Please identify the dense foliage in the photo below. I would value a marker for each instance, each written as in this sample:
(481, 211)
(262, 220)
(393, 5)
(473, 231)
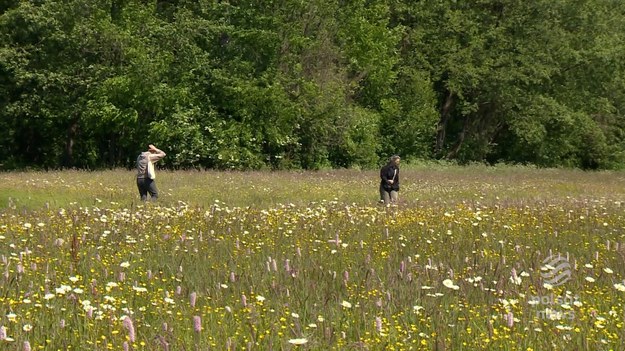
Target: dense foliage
(320, 83)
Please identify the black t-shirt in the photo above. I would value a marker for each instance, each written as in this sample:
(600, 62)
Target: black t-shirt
(390, 172)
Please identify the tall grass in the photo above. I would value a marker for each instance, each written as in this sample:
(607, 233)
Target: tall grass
(430, 183)
(310, 260)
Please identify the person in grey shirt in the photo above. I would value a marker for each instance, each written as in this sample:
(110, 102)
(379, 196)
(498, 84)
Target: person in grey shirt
(146, 172)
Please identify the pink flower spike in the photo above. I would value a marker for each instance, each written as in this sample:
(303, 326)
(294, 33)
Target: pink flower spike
(510, 319)
(192, 299)
(197, 324)
(130, 327)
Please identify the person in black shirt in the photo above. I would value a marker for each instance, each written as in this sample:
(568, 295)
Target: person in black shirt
(389, 181)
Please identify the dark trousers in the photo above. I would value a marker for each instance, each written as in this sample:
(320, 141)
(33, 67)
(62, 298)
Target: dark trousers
(388, 196)
(147, 185)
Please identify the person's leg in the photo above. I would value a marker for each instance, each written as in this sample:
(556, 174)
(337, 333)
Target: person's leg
(152, 189)
(143, 190)
(384, 195)
(394, 196)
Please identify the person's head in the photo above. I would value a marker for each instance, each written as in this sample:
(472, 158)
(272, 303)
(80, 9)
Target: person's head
(394, 160)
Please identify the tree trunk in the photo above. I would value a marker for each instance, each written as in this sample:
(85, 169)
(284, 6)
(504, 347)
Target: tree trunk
(442, 123)
(465, 129)
(72, 131)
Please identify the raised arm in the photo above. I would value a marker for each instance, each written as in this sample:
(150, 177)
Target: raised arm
(155, 153)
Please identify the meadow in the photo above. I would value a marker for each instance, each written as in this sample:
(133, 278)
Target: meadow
(472, 258)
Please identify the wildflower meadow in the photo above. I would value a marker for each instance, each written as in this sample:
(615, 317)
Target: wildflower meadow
(471, 258)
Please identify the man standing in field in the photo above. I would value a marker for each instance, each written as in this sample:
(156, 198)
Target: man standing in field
(389, 183)
(146, 172)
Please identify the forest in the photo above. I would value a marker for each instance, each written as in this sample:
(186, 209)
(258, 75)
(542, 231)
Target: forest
(291, 84)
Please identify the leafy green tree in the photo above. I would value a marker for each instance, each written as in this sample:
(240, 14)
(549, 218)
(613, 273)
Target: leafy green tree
(316, 84)
(510, 75)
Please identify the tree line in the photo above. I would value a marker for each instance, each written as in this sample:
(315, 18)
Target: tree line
(286, 84)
